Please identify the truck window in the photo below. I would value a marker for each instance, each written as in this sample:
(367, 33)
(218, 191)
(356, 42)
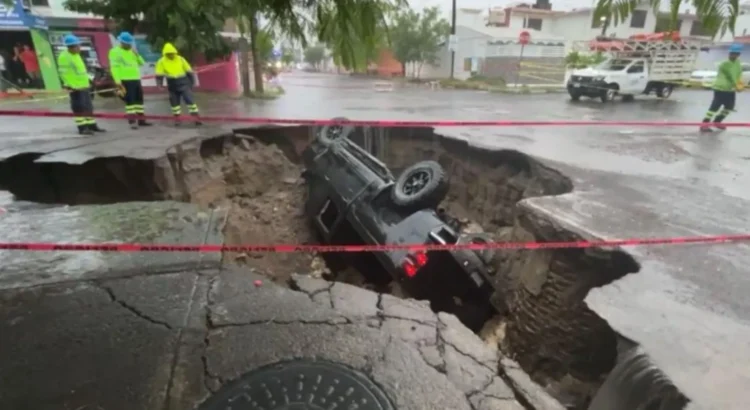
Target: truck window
(636, 68)
(614, 65)
(328, 215)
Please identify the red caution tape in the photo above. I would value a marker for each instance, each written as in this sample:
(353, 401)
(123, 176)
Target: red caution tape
(135, 247)
(374, 123)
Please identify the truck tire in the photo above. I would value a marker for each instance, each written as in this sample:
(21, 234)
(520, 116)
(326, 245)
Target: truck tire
(610, 93)
(422, 185)
(574, 96)
(330, 133)
(664, 91)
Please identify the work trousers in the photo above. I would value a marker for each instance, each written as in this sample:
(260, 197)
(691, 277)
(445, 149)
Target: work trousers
(716, 113)
(83, 108)
(133, 100)
(179, 94)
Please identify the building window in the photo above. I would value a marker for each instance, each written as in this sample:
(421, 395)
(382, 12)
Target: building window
(697, 29)
(40, 3)
(467, 64)
(535, 24)
(662, 25)
(638, 19)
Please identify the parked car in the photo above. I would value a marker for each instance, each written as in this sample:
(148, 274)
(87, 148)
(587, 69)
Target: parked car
(353, 199)
(705, 78)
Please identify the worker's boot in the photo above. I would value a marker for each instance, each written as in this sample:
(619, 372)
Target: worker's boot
(142, 121)
(717, 122)
(96, 128)
(197, 118)
(177, 121)
(84, 130)
(132, 121)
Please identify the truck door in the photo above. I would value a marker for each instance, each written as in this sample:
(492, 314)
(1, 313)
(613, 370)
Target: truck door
(637, 78)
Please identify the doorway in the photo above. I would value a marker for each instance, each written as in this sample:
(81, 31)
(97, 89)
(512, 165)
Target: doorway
(22, 69)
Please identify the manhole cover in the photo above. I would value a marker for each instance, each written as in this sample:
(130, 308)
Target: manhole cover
(300, 385)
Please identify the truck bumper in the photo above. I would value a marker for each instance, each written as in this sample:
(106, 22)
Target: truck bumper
(587, 89)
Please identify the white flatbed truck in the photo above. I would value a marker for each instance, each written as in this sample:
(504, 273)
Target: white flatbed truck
(635, 67)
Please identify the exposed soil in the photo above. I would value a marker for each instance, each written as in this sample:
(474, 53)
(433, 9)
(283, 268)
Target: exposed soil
(263, 191)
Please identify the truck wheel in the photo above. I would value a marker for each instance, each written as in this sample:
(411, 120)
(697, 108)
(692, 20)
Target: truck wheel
(331, 133)
(628, 98)
(664, 91)
(422, 185)
(574, 96)
(610, 93)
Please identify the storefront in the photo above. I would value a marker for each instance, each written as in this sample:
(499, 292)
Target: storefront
(93, 33)
(25, 46)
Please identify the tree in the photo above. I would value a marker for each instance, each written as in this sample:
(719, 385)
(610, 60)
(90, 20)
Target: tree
(287, 57)
(314, 55)
(194, 25)
(351, 51)
(417, 37)
(265, 40)
(716, 16)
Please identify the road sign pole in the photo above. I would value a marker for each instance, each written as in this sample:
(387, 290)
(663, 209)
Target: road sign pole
(523, 38)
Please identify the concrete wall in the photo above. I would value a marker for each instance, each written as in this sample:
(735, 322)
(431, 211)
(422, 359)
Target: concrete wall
(534, 70)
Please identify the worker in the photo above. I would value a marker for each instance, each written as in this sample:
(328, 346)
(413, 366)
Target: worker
(126, 63)
(75, 79)
(180, 80)
(728, 82)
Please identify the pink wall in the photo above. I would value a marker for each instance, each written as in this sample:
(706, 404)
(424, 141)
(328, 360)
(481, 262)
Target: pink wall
(220, 79)
(102, 44)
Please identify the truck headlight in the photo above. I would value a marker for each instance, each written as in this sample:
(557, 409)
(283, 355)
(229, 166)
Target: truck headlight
(599, 78)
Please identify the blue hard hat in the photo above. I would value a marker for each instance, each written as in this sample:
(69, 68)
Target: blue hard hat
(71, 40)
(735, 48)
(126, 38)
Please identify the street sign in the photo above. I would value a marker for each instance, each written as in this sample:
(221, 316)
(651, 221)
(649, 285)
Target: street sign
(524, 37)
(452, 42)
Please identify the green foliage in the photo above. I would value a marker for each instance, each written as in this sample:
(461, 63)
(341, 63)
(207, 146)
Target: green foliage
(192, 25)
(575, 59)
(416, 37)
(264, 41)
(7, 3)
(287, 57)
(314, 55)
(716, 16)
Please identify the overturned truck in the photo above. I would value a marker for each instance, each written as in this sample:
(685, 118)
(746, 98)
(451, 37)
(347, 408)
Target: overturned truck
(353, 198)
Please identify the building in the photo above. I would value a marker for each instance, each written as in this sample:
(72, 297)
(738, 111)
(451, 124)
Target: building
(93, 31)
(488, 43)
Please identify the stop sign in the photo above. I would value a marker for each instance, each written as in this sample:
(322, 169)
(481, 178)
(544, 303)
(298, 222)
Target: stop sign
(524, 37)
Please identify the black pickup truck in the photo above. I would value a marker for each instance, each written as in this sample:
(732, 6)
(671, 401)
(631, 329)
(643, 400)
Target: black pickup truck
(353, 199)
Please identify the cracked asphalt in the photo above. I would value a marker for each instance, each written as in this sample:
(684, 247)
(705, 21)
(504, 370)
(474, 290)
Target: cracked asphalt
(159, 339)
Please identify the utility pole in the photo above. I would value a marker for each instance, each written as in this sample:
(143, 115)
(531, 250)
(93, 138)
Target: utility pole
(453, 34)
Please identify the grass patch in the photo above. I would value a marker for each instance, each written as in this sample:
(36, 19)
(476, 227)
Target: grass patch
(475, 82)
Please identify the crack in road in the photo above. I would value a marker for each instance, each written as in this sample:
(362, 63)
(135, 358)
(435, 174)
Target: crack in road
(132, 309)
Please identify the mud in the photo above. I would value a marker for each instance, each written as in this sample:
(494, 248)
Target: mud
(542, 321)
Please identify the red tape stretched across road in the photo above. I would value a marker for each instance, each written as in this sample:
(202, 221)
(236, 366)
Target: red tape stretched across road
(283, 248)
(376, 123)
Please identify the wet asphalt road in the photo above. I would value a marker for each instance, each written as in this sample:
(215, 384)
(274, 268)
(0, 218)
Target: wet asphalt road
(688, 306)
